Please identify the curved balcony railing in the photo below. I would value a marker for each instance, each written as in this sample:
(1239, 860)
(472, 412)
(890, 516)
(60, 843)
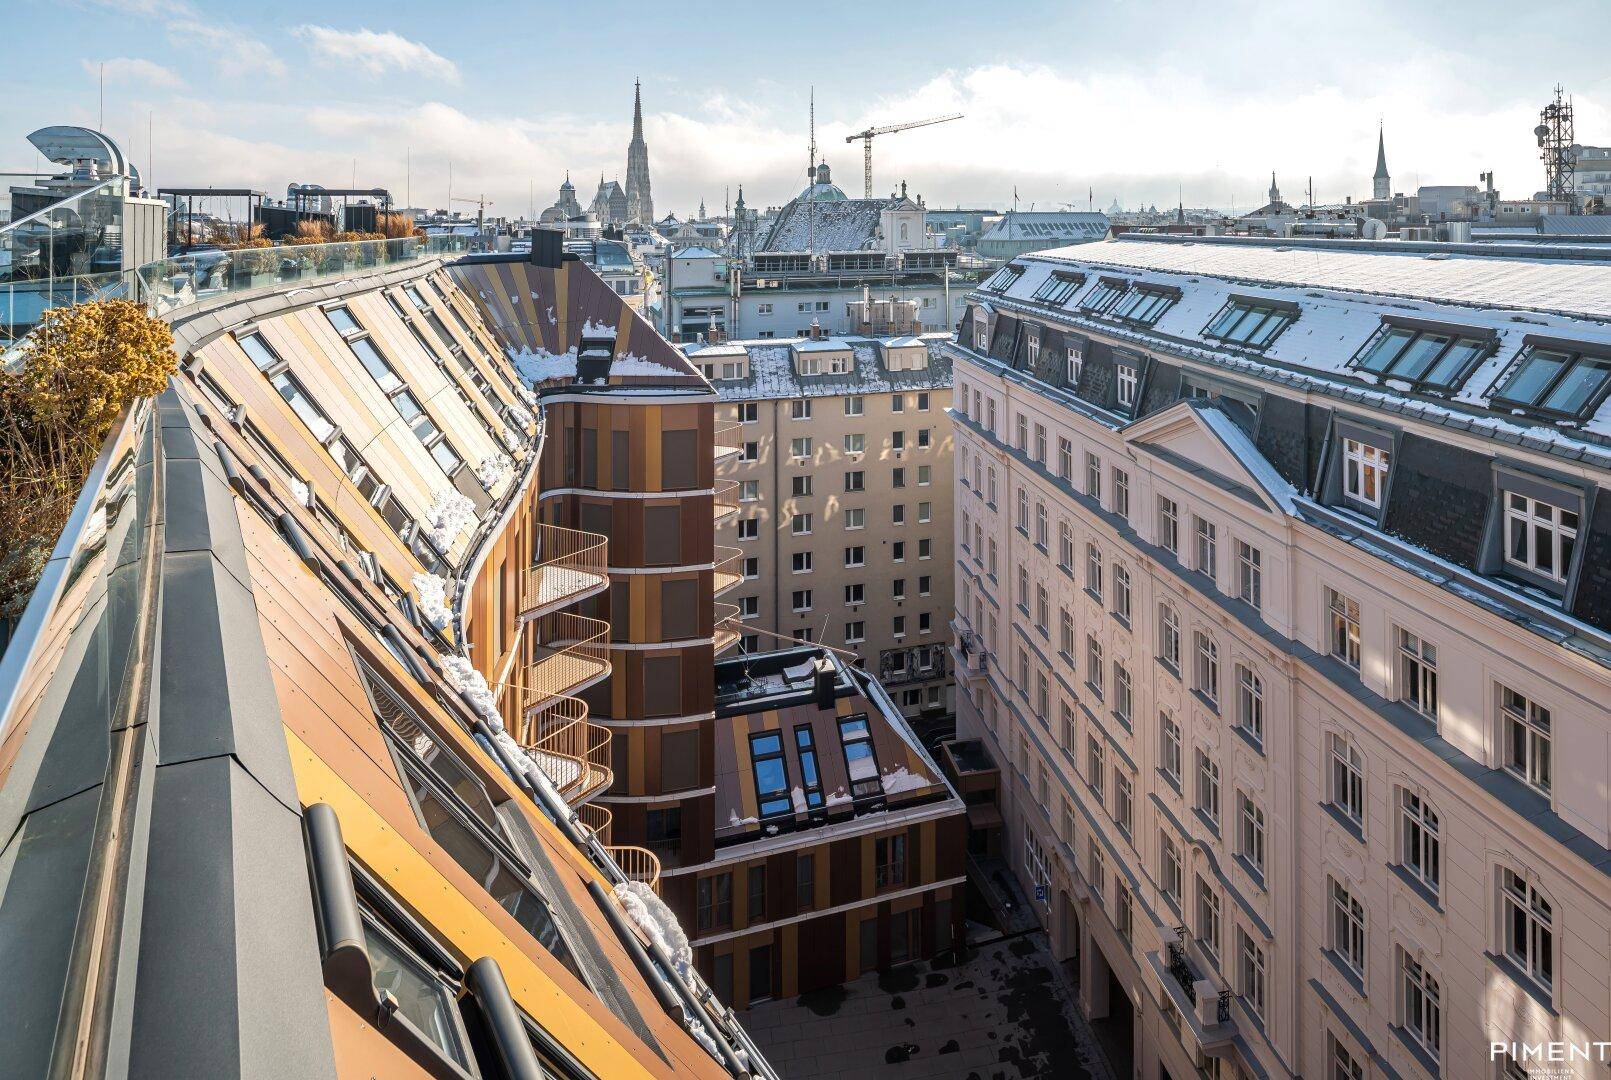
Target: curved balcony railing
(729, 569)
(572, 652)
(573, 754)
(726, 634)
(726, 501)
(639, 864)
(728, 441)
(571, 564)
(596, 819)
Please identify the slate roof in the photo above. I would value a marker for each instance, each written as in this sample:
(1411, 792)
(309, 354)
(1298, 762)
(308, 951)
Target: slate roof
(842, 225)
(772, 374)
(1026, 225)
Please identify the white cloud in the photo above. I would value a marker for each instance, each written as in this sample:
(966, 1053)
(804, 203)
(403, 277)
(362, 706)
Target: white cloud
(376, 53)
(235, 54)
(133, 69)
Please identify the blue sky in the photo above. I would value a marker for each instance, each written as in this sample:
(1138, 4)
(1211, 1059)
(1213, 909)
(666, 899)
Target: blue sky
(1133, 100)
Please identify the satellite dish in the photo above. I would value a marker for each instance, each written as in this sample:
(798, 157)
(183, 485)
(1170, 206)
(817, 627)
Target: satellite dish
(1541, 131)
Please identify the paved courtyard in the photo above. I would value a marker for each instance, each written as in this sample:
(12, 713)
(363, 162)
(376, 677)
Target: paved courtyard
(1003, 1011)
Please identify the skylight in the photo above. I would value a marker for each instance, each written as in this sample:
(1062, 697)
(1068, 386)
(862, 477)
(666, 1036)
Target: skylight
(1002, 279)
(1436, 357)
(1057, 288)
(1557, 379)
(1144, 303)
(1250, 322)
(1103, 294)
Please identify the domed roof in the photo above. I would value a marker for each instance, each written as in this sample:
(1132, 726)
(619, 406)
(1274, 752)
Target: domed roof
(823, 189)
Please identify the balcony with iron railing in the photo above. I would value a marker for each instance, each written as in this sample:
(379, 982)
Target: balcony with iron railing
(571, 565)
(726, 500)
(729, 569)
(573, 753)
(728, 438)
(726, 633)
(572, 652)
(1202, 1002)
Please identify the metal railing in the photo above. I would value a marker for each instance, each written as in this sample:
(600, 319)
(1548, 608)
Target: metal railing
(726, 498)
(573, 753)
(596, 819)
(571, 562)
(726, 631)
(727, 440)
(729, 571)
(1180, 968)
(571, 652)
(637, 863)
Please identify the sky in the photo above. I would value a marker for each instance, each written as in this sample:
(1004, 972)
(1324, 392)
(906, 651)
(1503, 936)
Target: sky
(1063, 103)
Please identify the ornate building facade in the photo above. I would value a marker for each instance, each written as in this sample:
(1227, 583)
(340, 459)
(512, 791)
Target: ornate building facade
(640, 203)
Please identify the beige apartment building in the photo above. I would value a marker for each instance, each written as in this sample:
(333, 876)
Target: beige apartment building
(843, 484)
(1284, 606)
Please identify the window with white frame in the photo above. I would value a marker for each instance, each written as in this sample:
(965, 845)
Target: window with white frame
(983, 340)
(1168, 525)
(1418, 673)
(1040, 443)
(1344, 1065)
(1529, 928)
(1169, 747)
(1022, 432)
(855, 632)
(1075, 362)
(1348, 928)
(1098, 868)
(1124, 800)
(1207, 667)
(1123, 694)
(1032, 345)
(1129, 377)
(1065, 546)
(1208, 919)
(1421, 1000)
(800, 409)
(1249, 574)
(1023, 510)
(1250, 703)
(1207, 535)
(1343, 616)
(1420, 840)
(854, 405)
(1250, 834)
(1093, 570)
(1095, 763)
(800, 524)
(1123, 917)
(1526, 734)
(1254, 977)
(1065, 633)
(800, 447)
(801, 562)
(1040, 525)
(1121, 493)
(1169, 867)
(1539, 537)
(1364, 472)
(1093, 476)
(1347, 778)
(1121, 592)
(1169, 636)
(1208, 787)
(1065, 458)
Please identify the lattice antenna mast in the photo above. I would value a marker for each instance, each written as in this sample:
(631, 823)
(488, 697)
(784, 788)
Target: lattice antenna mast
(811, 182)
(1555, 138)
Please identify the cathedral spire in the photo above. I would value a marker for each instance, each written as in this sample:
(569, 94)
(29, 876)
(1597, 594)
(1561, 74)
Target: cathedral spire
(1381, 183)
(1275, 192)
(637, 109)
(640, 203)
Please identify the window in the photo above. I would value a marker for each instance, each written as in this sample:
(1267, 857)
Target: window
(1095, 763)
(810, 778)
(1348, 928)
(1437, 359)
(1041, 608)
(1168, 525)
(922, 402)
(1093, 665)
(1121, 493)
(1123, 696)
(423, 1000)
(1539, 537)
(750, 490)
(1344, 639)
(897, 402)
(714, 910)
(898, 514)
(1065, 546)
(925, 583)
(1253, 975)
(855, 443)
(1347, 779)
(749, 528)
(1525, 730)
(755, 908)
(747, 412)
(1208, 919)
(800, 409)
(898, 626)
(749, 607)
(889, 861)
(861, 761)
(1169, 636)
(1420, 844)
(1124, 798)
(1065, 458)
(1250, 837)
(897, 477)
(856, 556)
(800, 447)
(771, 775)
(1364, 472)
(1418, 674)
(1129, 376)
(1529, 922)
(1121, 592)
(802, 600)
(1144, 304)
(750, 452)
(1249, 574)
(925, 475)
(1032, 347)
(1169, 868)
(855, 632)
(1075, 360)
(1023, 432)
(1093, 570)
(1207, 668)
(800, 524)
(1103, 294)
(1423, 1008)
(1023, 510)
(1065, 633)
(805, 881)
(855, 594)
(800, 486)
(853, 405)
(1057, 288)
(1557, 380)
(1040, 443)
(1169, 747)
(983, 340)
(1208, 788)
(1093, 476)
(1003, 279)
(1250, 703)
(855, 518)
(1344, 1066)
(1040, 524)
(1207, 548)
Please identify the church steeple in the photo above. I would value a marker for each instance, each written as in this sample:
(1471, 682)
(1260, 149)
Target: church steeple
(637, 109)
(1275, 192)
(1382, 183)
(640, 203)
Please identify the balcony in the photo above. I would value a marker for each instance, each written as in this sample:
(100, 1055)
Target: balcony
(729, 569)
(729, 442)
(596, 819)
(726, 500)
(572, 652)
(1202, 1002)
(571, 566)
(571, 752)
(727, 634)
(638, 864)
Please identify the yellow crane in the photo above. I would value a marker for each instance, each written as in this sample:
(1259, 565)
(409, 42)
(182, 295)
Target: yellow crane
(866, 138)
(480, 202)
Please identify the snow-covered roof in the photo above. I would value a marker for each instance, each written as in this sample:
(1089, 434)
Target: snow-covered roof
(772, 374)
(842, 225)
(695, 252)
(1033, 225)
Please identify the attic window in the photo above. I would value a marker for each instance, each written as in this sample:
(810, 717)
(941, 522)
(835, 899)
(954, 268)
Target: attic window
(861, 760)
(1002, 279)
(1056, 290)
(1557, 379)
(1145, 303)
(1251, 322)
(1432, 356)
(1100, 298)
(771, 774)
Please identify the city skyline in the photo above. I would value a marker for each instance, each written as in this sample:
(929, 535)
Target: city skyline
(393, 98)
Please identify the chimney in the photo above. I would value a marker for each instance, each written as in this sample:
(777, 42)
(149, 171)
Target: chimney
(547, 248)
(824, 680)
(816, 330)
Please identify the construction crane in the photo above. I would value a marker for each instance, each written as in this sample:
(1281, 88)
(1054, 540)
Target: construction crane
(481, 202)
(866, 138)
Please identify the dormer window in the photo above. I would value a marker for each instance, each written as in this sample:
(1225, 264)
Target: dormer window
(1559, 379)
(1144, 303)
(1250, 321)
(1003, 279)
(1428, 355)
(1103, 294)
(1361, 463)
(1057, 288)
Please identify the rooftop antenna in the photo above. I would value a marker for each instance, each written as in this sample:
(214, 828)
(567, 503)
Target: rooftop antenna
(408, 175)
(1554, 134)
(811, 181)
